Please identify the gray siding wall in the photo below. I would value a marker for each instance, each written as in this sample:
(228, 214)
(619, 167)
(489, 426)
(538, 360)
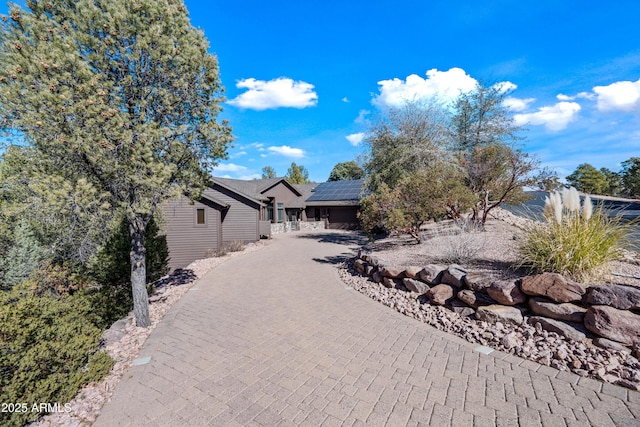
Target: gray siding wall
(240, 221)
(187, 240)
(282, 193)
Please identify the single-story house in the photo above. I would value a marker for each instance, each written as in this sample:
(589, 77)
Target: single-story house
(238, 210)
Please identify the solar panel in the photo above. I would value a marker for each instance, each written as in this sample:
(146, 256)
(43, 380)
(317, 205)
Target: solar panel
(338, 190)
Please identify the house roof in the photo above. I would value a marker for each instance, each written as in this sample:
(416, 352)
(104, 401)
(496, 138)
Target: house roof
(225, 183)
(222, 204)
(338, 191)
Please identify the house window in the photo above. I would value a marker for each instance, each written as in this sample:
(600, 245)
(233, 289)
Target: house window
(270, 213)
(280, 212)
(200, 218)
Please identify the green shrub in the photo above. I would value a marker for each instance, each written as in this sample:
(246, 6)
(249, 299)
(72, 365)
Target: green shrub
(48, 350)
(574, 241)
(111, 268)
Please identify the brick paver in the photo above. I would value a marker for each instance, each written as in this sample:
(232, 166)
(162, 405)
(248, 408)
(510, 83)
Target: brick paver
(275, 338)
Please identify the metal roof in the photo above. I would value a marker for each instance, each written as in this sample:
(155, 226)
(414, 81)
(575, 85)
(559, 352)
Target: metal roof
(338, 191)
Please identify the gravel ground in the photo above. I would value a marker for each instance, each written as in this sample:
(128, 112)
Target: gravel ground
(492, 251)
(125, 339)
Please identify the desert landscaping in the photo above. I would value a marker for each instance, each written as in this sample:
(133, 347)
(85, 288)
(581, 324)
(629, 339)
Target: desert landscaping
(591, 330)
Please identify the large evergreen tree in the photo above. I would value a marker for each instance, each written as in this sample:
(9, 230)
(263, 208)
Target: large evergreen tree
(297, 174)
(120, 94)
(631, 177)
(588, 179)
(346, 171)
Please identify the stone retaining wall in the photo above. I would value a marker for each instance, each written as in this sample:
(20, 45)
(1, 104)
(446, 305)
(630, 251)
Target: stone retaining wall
(287, 226)
(606, 314)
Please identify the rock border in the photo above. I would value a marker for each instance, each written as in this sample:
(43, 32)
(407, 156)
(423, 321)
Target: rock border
(545, 318)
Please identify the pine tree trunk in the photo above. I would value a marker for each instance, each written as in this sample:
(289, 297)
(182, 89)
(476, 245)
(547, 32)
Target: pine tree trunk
(139, 273)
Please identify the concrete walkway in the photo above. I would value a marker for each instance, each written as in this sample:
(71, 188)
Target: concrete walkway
(274, 338)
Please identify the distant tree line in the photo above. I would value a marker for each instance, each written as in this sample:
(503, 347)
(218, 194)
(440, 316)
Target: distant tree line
(625, 183)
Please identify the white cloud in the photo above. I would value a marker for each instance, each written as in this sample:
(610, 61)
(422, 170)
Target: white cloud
(517, 104)
(229, 167)
(362, 117)
(280, 92)
(356, 139)
(238, 154)
(505, 87)
(554, 118)
(584, 95)
(345, 99)
(287, 151)
(624, 96)
(444, 86)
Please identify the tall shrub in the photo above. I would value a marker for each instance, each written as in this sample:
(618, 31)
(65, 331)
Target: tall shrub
(48, 350)
(574, 240)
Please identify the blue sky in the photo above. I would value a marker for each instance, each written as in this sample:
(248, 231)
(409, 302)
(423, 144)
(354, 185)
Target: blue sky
(302, 78)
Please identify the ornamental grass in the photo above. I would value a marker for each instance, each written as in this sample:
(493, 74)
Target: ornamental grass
(575, 240)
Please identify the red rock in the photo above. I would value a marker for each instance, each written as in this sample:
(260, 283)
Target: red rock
(453, 276)
(616, 296)
(474, 299)
(617, 325)
(500, 313)
(506, 293)
(415, 285)
(412, 272)
(392, 272)
(431, 274)
(553, 286)
(477, 281)
(562, 311)
(440, 294)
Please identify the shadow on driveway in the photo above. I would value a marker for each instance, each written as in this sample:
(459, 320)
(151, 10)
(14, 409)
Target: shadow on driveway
(352, 241)
(349, 238)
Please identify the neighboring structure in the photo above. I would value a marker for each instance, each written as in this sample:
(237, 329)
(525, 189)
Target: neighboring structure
(237, 210)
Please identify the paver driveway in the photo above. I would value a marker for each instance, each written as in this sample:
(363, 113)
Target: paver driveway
(275, 338)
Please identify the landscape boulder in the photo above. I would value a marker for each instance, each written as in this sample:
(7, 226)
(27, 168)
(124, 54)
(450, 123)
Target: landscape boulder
(377, 277)
(477, 281)
(616, 296)
(563, 311)
(561, 328)
(392, 272)
(461, 308)
(617, 325)
(440, 294)
(453, 276)
(610, 345)
(431, 274)
(412, 272)
(391, 283)
(415, 285)
(474, 299)
(360, 266)
(506, 292)
(553, 286)
(499, 313)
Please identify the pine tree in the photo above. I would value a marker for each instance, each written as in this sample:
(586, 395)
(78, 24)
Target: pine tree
(122, 94)
(297, 174)
(22, 259)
